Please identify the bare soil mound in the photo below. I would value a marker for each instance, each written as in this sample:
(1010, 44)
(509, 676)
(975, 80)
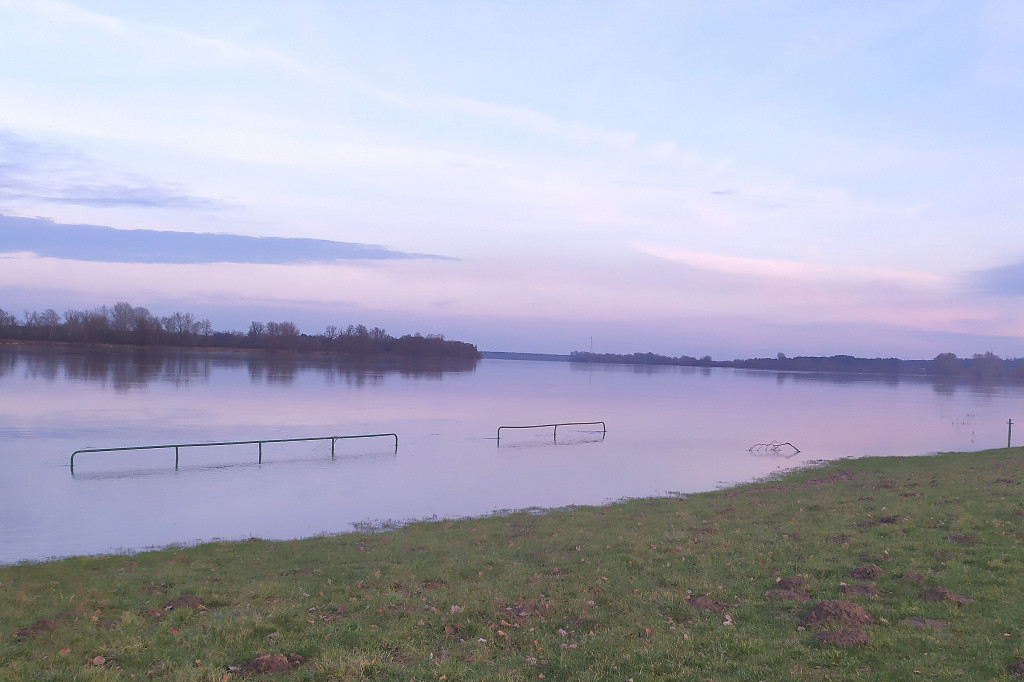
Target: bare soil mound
(867, 572)
(40, 626)
(268, 664)
(706, 603)
(837, 612)
(844, 637)
(944, 594)
(792, 582)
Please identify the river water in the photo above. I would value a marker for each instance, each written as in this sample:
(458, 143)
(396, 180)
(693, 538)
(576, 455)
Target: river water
(670, 430)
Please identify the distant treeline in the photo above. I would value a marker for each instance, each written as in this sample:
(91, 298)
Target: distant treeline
(125, 324)
(985, 366)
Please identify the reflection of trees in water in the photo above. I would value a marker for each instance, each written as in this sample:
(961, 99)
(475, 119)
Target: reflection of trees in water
(126, 368)
(356, 372)
(120, 368)
(272, 369)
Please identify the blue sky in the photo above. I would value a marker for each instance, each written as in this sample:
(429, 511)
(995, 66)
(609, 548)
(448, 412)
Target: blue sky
(729, 178)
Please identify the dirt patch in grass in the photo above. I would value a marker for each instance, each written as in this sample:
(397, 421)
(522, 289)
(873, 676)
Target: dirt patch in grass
(1017, 668)
(185, 601)
(791, 583)
(837, 612)
(705, 603)
(844, 637)
(867, 572)
(913, 577)
(944, 594)
(860, 589)
(268, 664)
(37, 628)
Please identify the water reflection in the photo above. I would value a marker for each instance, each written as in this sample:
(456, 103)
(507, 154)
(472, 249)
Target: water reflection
(128, 368)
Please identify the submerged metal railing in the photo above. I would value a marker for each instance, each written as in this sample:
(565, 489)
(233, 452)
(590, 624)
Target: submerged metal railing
(178, 446)
(604, 429)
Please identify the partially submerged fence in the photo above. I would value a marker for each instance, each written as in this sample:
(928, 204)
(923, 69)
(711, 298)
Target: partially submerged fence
(604, 429)
(177, 446)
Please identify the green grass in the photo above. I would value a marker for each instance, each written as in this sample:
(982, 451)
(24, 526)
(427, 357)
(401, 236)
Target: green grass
(585, 593)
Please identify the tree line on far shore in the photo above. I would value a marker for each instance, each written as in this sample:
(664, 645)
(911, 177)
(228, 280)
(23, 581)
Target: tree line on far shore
(125, 324)
(982, 366)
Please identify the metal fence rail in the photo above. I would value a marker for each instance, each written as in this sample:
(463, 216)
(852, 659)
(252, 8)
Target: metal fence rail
(178, 446)
(604, 429)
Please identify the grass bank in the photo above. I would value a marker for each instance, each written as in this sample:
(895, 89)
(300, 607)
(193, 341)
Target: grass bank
(918, 562)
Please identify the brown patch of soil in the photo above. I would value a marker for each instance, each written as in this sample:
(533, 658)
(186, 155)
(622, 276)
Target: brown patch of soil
(944, 594)
(792, 583)
(860, 589)
(37, 628)
(268, 664)
(185, 601)
(837, 612)
(922, 623)
(154, 589)
(517, 613)
(788, 595)
(963, 539)
(913, 577)
(706, 603)
(107, 624)
(867, 572)
(1017, 668)
(843, 637)
(432, 584)
(840, 539)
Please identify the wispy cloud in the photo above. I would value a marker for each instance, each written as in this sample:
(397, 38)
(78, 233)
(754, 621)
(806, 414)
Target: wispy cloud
(790, 270)
(56, 174)
(108, 245)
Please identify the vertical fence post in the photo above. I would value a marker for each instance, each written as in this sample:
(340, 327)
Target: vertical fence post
(175, 457)
(332, 447)
(261, 452)
(1009, 431)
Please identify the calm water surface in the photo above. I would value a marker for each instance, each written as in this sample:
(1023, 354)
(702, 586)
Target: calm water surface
(670, 430)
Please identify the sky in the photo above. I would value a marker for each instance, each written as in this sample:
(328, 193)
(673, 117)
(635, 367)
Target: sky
(734, 179)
